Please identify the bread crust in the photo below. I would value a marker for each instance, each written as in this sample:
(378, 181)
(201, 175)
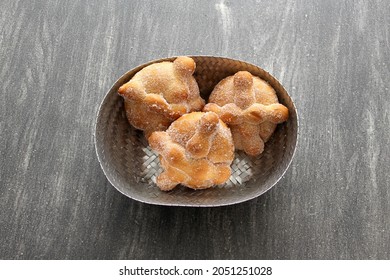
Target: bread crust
(160, 93)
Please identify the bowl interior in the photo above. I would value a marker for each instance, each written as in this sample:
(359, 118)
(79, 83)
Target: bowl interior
(132, 167)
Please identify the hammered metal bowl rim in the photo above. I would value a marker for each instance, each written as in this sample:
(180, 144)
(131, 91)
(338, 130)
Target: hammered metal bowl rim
(171, 58)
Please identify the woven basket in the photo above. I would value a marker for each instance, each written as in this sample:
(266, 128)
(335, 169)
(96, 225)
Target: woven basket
(132, 167)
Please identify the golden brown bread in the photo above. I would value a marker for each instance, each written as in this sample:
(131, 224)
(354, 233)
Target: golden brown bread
(160, 93)
(250, 107)
(196, 151)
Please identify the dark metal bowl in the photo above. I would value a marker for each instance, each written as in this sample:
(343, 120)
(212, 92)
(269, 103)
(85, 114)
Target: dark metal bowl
(132, 167)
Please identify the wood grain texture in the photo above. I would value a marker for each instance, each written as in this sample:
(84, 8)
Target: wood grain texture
(58, 59)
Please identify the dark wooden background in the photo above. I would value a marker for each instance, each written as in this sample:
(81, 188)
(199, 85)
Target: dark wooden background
(59, 58)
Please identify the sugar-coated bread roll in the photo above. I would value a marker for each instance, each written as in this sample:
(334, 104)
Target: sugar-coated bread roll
(160, 93)
(195, 151)
(250, 107)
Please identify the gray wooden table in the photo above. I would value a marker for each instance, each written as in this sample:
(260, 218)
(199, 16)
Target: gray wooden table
(59, 58)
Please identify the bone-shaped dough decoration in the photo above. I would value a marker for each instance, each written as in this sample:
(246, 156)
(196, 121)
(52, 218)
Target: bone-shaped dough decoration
(195, 151)
(249, 106)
